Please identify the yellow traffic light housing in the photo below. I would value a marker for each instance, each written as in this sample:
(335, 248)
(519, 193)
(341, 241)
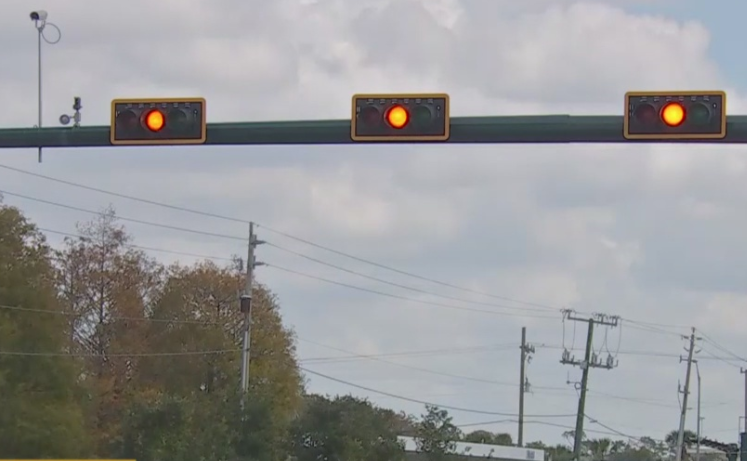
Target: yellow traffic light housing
(400, 117)
(675, 115)
(167, 121)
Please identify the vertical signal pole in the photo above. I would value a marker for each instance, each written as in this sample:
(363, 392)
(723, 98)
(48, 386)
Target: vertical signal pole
(743, 435)
(245, 306)
(744, 372)
(683, 415)
(526, 351)
(40, 23)
(591, 360)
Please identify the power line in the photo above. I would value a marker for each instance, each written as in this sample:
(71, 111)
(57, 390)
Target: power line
(124, 196)
(711, 341)
(404, 298)
(543, 423)
(406, 287)
(278, 232)
(275, 231)
(119, 318)
(123, 218)
(128, 354)
(640, 353)
(631, 437)
(421, 353)
(351, 355)
(140, 247)
(420, 369)
(423, 402)
(354, 287)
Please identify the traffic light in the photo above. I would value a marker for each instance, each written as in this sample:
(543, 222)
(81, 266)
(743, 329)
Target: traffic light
(675, 115)
(158, 121)
(400, 117)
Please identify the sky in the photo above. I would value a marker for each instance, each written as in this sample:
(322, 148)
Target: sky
(483, 240)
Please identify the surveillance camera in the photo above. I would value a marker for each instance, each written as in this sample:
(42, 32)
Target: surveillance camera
(40, 15)
(64, 119)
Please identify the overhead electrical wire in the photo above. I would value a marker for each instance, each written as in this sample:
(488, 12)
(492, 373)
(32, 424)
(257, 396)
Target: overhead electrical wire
(140, 247)
(405, 287)
(542, 423)
(405, 298)
(123, 218)
(640, 353)
(272, 230)
(425, 370)
(423, 402)
(718, 346)
(648, 402)
(111, 355)
(350, 355)
(278, 232)
(644, 326)
(119, 318)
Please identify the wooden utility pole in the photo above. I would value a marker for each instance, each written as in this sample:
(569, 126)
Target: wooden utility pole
(526, 351)
(591, 360)
(245, 305)
(686, 392)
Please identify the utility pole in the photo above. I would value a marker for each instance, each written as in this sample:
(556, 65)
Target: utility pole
(591, 360)
(245, 305)
(743, 435)
(699, 429)
(526, 351)
(683, 415)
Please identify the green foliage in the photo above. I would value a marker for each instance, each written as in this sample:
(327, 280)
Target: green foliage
(166, 427)
(489, 438)
(558, 453)
(39, 394)
(436, 434)
(344, 428)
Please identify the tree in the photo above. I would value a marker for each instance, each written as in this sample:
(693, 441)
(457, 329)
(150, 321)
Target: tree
(632, 453)
(400, 422)
(198, 311)
(671, 440)
(107, 286)
(598, 449)
(39, 394)
(488, 437)
(559, 453)
(436, 434)
(161, 427)
(344, 428)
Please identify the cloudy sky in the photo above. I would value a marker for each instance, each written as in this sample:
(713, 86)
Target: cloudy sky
(498, 237)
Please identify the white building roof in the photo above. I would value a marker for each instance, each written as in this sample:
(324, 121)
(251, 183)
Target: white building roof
(482, 450)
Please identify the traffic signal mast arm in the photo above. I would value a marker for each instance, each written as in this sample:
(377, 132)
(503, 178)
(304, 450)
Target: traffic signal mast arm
(541, 129)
